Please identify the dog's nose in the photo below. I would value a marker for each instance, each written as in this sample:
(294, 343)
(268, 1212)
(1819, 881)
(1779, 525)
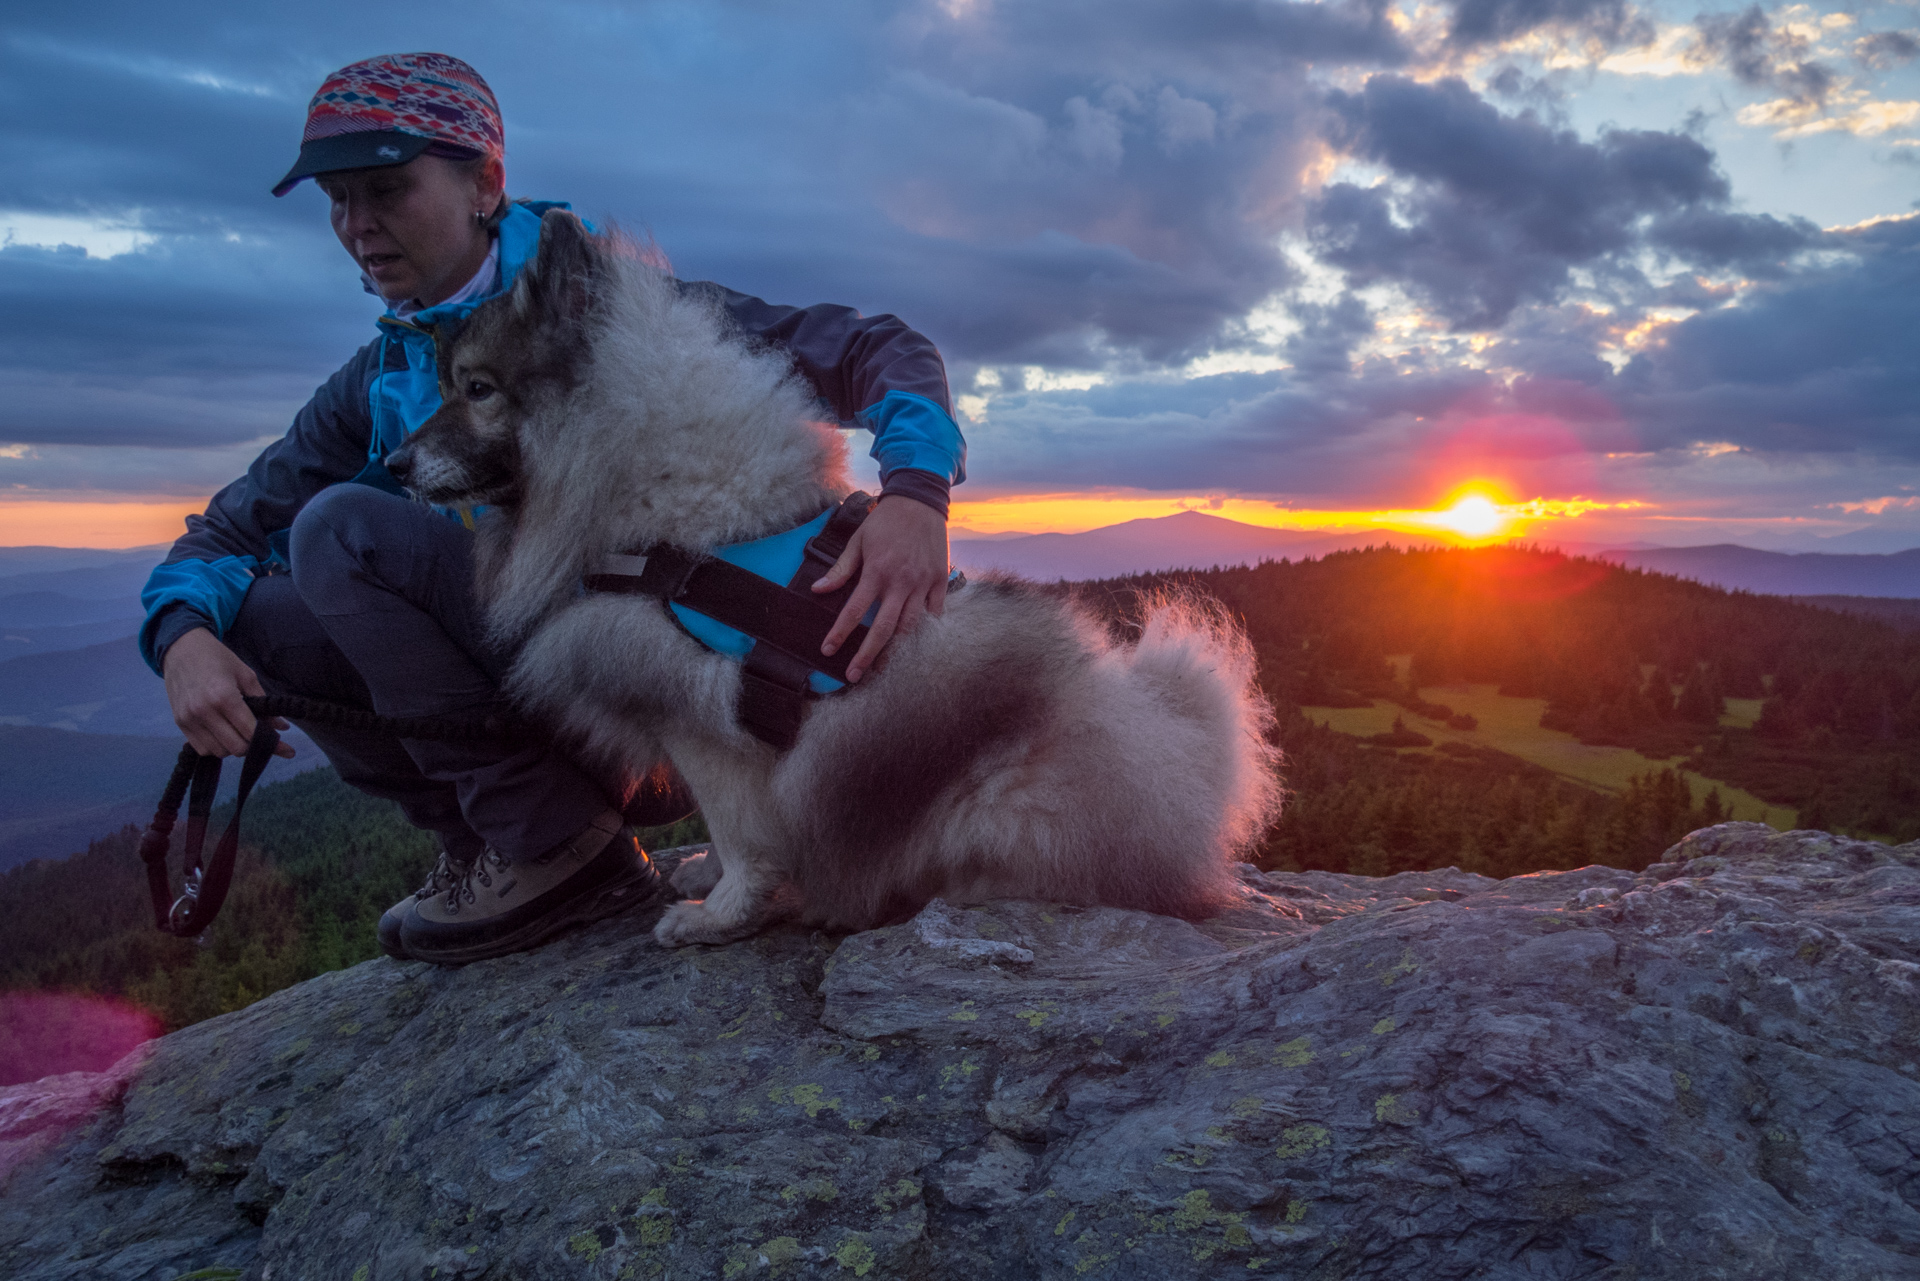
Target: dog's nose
(399, 463)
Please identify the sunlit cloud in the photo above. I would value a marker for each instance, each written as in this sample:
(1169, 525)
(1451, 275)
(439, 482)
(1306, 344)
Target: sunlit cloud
(95, 237)
(1853, 113)
(1881, 506)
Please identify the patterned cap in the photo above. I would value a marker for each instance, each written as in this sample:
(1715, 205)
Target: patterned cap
(387, 110)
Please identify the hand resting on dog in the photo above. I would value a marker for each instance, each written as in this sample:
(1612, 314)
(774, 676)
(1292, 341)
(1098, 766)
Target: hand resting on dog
(900, 555)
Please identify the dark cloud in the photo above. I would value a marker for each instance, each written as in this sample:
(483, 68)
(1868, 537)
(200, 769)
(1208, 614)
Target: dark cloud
(1758, 54)
(1478, 22)
(1497, 210)
(1757, 245)
(1820, 362)
(1063, 183)
(1884, 50)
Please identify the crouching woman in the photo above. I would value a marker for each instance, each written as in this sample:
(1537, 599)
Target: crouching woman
(315, 575)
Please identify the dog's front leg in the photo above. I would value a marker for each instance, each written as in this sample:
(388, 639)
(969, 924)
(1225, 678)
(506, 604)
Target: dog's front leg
(696, 876)
(742, 873)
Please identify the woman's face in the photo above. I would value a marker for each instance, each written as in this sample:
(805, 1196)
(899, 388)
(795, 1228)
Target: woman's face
(411, 227)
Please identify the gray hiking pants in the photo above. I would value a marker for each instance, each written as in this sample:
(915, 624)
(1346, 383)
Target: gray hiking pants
(379, 612)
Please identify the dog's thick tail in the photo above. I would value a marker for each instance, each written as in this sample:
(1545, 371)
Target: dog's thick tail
(1200, 667)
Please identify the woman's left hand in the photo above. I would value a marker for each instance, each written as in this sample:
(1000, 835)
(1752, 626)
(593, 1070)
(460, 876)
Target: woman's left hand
(899, 554)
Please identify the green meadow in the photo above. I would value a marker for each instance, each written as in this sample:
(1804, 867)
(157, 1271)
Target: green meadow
(1512, 725)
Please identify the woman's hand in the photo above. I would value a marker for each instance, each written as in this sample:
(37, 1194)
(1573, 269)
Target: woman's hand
(900, 556)
(207, 685)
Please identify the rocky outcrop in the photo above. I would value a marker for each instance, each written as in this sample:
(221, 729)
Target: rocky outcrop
(1707, 1070)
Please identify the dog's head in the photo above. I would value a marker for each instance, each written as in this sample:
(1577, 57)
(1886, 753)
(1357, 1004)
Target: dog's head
(513, 363)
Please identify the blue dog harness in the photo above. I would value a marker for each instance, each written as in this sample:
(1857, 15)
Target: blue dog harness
(753, 602)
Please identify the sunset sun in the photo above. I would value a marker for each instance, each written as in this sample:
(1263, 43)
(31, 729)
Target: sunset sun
(1474, 516)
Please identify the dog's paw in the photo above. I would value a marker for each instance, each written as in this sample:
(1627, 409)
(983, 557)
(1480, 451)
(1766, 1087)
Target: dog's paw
(687, 923)
(696, 877)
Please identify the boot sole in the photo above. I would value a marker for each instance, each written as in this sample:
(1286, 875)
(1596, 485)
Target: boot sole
(621, 894)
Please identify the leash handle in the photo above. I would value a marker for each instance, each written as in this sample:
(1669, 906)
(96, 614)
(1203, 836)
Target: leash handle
(197, 778)
(153, 845)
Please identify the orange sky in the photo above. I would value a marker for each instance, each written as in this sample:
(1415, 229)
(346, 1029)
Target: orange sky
(1472, 512)
(39, 522)
(1485, 517)
(1475, 512)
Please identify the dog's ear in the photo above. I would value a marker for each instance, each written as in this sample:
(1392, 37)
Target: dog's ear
(558, 285)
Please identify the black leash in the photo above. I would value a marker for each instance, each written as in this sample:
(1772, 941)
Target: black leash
(196, 778)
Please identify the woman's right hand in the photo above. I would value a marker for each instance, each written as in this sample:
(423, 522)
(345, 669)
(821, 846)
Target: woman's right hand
(207, 685)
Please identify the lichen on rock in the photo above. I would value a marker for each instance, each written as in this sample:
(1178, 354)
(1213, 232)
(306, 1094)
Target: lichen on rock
(1708, 1069)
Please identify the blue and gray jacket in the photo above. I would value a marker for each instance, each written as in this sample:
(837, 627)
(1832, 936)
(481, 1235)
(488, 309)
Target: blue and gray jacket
(870, 371)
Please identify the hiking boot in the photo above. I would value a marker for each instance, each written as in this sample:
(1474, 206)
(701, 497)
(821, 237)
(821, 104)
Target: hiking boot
(447, 872)
(493, 907)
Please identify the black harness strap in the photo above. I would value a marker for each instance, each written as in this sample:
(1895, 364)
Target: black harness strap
(774, 690)
(787, 623)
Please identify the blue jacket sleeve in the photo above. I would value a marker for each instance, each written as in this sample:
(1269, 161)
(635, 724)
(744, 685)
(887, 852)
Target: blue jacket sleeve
(874, 372)
(206, 575)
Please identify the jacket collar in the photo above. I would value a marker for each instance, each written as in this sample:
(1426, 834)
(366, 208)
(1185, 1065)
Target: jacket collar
(519, 240)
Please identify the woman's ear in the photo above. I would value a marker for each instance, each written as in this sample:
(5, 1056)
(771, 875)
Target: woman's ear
(489, 186)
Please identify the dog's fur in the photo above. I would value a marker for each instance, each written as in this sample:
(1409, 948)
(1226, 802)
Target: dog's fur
(1006, 749)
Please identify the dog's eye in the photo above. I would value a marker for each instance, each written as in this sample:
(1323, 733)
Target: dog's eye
(477, 390)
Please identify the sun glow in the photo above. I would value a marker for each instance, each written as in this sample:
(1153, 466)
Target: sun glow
(1474, 516)
(1476, 513)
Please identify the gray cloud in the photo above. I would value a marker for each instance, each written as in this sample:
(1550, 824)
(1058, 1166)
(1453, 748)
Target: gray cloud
(1078, 185)
(1477, 22)
(1498, 209)
(1883, 50)
(1820, 362)
(1758, 54)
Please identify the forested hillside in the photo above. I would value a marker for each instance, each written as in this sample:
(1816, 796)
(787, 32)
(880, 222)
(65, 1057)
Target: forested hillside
(1621, 656)
(1618, 656)
(319, 863)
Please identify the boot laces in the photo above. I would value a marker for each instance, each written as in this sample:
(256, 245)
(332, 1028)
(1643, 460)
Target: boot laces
(454, 877)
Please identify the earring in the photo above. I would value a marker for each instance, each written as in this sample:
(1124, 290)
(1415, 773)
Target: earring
(479, 217)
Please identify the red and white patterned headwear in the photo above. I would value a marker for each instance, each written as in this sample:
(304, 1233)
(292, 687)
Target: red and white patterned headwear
(387, 110)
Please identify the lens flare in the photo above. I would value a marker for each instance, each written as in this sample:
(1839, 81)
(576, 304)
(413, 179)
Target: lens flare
(50, 1033)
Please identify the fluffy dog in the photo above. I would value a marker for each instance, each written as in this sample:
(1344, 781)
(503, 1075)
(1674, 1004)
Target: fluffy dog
(1007, 749)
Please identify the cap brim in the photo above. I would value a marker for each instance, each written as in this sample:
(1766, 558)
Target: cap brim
(370, 150)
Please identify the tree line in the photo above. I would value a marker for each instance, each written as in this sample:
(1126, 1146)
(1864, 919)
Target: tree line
(1619, 656)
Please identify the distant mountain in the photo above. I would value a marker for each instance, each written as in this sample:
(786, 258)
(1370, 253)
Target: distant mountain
(95, 582)
(1871, 540)
(1783, 573)
(1188, 540)
(31, 560)
(101, 688)
(1572, 547)
(59, 789)
(47, 605)
(26, 610)
(18, 642)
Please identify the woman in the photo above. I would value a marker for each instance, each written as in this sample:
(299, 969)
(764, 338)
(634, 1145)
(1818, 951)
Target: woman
(297, 580)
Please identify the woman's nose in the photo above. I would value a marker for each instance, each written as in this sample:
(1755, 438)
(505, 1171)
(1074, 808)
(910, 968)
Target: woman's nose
(356, 216)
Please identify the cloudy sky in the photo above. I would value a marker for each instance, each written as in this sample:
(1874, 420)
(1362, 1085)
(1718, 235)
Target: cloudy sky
(1634, 271)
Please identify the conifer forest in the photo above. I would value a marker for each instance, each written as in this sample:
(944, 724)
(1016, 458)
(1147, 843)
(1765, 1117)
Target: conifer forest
(1620, 658)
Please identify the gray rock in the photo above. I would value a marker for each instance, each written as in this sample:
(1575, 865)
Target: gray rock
(1708, 1070)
